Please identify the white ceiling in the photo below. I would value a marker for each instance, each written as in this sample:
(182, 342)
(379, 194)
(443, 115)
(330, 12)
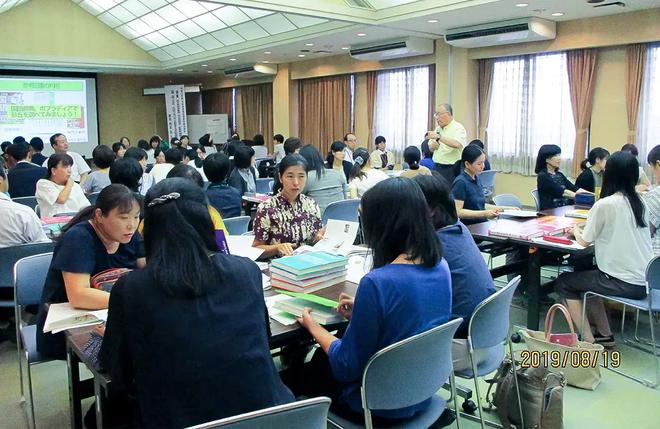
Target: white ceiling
(213, 34)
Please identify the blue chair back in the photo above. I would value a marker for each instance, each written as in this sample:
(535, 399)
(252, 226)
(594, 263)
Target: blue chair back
(270, 186)
(92, 197)
(489, 324)
(653, 273)
(9, 256)
(346, 210)
(306, 414)
(237, 225)
(29, 278)
(487, 178)
(26, 201)
(262, 185)
(507, 200)
(537, 201)
(409, 371)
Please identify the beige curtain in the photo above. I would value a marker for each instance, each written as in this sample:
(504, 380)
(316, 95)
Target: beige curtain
(581, 66)
(485, 88)
(372, 88)
(432, 123)
(218, 101)
(255, 111)
(324, 110)
(635, 63)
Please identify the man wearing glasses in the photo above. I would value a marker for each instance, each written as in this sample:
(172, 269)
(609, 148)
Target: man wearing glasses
(447, 142)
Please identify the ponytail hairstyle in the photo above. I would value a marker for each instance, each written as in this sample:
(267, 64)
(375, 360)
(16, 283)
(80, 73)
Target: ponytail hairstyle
(412, 156)
(360, 159)
(113, 196)
(337, 146)
(594, 155)
(621, 175)
(470, 154)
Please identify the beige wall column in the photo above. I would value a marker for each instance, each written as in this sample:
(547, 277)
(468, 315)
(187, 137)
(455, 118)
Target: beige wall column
(361, 121)
(281, 97)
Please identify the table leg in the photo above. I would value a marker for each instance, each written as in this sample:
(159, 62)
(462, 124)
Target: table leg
(99, 394)
(532, 280)
(75, 396)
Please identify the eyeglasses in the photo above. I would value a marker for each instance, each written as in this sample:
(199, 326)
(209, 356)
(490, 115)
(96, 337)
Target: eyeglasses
(436, 115)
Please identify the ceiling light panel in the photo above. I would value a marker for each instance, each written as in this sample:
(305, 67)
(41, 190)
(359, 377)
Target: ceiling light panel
(109, 20)
(136, 7)
(173, 34)
(158, 39)
(190, 47)
(190, 29)
(154, 4)
(231, 15)
(145, 43)
(256, 13)
(175, 51)
(161, 55)
(189, 8)
(250, 30)
(228, 36)
(171, 14)
(140, 27)
(276, 24)
(210, 6)
(155, 21)
(92, 7)
(209, 22)
(302, 21)
(208, 42)
(126, 31)
(122, 14)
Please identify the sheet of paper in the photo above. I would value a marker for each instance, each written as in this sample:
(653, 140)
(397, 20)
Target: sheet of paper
(358, 267)
(339, 237)
(574, 244)
(241, 245)
(263, 266)
(519, 213)
(277, 315)
(265, 281)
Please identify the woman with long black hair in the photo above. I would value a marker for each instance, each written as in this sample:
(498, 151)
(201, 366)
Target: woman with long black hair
(618, 227)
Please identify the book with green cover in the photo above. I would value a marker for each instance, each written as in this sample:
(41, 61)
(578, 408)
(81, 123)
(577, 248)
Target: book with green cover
(320, 313)
(309, 262)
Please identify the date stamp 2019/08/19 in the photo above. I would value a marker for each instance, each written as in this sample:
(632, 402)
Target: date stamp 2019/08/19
(569, 358)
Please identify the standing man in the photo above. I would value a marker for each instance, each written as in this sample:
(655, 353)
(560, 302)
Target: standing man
(351, 144)
(79, 169)
(447, 142)
(23, 175)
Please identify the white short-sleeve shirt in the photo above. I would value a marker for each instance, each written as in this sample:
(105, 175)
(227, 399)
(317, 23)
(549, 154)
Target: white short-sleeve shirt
(47, 193)
(78, 168)
(623, 250)
(20, 224)
(363, 184)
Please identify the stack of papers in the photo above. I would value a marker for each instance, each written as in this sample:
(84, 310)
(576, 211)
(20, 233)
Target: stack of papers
(241, 245)
(323, 309)
(518, 213)
(63, 316)
(308, 272)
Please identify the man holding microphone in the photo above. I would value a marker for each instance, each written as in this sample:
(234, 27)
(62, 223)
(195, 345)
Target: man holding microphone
(447, 141)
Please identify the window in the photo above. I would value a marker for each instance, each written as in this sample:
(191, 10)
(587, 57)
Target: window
(648, 134)
(402, 107)
(530, 106)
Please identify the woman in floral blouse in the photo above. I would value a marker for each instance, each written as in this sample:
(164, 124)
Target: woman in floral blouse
(289, 219)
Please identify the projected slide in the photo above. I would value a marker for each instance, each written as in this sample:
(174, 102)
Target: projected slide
(33, 107)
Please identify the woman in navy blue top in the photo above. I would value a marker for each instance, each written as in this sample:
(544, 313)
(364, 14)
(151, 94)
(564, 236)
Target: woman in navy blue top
(407, 292)
(98, 238)
(188, 334)
(554, 189)
(467, 189)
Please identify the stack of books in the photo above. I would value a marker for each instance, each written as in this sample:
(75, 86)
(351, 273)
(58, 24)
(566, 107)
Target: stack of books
(533, 228)
(323, 310)
(308, 272)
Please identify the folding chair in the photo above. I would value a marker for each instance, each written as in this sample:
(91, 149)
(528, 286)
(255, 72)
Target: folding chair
(305, 414)
(650, 304)
(346, 210)
(537, 200)
(262, 185)
(407, 373)
(237, 225)
(488, 332)
(26, 201)
(9, 256)
(509, 200)
(29, 278)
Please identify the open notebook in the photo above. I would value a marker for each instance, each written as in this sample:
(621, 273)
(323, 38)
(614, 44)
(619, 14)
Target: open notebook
(63, 316)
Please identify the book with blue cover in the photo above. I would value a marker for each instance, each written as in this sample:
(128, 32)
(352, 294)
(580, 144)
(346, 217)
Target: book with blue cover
(309, 262)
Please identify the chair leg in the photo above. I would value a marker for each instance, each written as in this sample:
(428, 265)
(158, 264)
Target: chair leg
(476, 388)
(29, 376)
(582, 326)
(452, 382)
(515, 382)
(20, 365)
(655, 351)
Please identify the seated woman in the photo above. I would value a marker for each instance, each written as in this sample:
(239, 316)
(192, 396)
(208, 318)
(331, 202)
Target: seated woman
(98, 238)
(411, 156)
(593, 167)
(652, 199)
(244, 176)
(408, 291)
(553, 187)
(98, 179)
(481, 146)
(58, 193)
(335, 159)
(618, 227)
(325, 186)
(427, 161)
(467, 189)
(119, 149)
(289, 218)
(224, 198)
(381, 158)
(140, 155)
(363, 177)
(148, 341)
(470, 279)
(128, 172)
(643, 183)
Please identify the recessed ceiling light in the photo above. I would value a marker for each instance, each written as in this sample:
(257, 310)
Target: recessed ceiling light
(205, 65)
(265, 62)
(432, 21)
(301, 55)
(232, 59)
(522, 4)
(558, 14)
(361, 34)
(267, 52)
(309, 44)
(346, 48)
(179, 70)
(210, 71)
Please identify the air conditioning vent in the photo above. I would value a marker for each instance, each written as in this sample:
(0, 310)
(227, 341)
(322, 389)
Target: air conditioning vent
(249, 71)
(390, 49)
(363, 4)
(502, 33)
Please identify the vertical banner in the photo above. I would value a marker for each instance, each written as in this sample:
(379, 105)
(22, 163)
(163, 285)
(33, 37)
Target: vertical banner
(175, 106)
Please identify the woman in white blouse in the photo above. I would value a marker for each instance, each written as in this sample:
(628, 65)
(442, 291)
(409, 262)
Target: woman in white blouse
(363, 177)
(58, 193)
